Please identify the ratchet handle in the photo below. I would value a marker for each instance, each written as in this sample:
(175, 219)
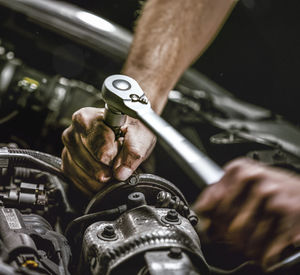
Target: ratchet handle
(200, 168)
(123, 95)
(114, 119)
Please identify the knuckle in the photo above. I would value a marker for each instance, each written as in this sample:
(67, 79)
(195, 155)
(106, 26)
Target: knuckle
(279, 207)
(66, 135)
(266, 189)
(78, 115)
(106, 157)
(78, 119)
(135, 153)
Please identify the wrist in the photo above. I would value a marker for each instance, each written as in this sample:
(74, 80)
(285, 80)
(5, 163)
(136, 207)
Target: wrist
(154, 87)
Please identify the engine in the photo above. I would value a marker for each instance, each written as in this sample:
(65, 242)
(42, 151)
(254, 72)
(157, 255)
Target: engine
(140, 226)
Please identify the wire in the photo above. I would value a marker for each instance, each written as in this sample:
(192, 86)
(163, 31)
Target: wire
(52, 160)
(85, 220)
(241, 268)
(25, 160)
(9, 117)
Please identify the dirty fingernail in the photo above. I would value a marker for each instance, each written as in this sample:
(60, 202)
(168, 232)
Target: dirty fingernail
(123, 173)
(103, 177)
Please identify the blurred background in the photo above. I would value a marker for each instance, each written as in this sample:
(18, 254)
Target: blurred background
(256, 55)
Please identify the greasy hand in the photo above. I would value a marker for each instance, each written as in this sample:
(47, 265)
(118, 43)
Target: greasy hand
(256, 208)
(92, 156)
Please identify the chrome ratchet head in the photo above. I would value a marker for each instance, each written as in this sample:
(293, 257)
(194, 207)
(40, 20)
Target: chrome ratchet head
(124, 95)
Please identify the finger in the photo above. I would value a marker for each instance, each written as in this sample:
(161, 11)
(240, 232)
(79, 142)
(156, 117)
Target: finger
(286, 233)
(137, 145)
(83, 158)
(227, 192)
(81, 180)
(272, 254)
(249, 214)
(95, 135)
(209, 199)
(261, 236)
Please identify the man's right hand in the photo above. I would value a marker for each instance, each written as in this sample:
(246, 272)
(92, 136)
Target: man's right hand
(91, 156)
(256, 208)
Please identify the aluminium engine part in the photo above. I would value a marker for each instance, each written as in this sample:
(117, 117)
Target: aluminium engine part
(137, 231)
(144, 214)
(122, 245)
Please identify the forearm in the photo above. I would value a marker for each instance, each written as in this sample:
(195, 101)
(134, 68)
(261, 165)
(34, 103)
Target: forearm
(169, 36)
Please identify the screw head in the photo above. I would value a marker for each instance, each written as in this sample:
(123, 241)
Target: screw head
(133, 180)
(172, 216)
(193, 220)
(136, 199)
(108, 232)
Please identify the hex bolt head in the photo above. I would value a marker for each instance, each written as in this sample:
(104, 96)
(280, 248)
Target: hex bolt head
(108, 232)
(172, 216)
(193, 220)
(133, 180)
(136, 199)
(175, 253)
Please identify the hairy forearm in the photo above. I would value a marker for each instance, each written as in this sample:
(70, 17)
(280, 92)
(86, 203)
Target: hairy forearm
(169, 36)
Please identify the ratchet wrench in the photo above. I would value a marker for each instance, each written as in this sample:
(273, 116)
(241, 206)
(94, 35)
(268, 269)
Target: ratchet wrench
(124, 96)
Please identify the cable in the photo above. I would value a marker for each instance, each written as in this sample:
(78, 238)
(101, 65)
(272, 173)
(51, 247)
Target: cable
(25, 160)
(287, 263)
(241, 268)
(52, 160)
(8, 117)
(85, 220)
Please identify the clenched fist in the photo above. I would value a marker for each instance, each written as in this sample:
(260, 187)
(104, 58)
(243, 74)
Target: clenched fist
(256, 208)
(92, 156)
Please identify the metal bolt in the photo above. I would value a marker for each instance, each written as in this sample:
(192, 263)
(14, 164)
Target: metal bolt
(175, 253)
(133, 180)
(108, 232)
(10, 55)
(172, 216)
(193, 220)
(136, 199)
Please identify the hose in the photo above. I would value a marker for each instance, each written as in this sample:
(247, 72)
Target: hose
(52, 160)
(29, 161)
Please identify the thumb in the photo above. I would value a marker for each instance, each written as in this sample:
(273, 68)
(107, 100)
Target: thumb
(127, 161)
(138, 143)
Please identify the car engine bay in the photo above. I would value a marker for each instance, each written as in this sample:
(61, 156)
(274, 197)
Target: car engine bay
(54, 58)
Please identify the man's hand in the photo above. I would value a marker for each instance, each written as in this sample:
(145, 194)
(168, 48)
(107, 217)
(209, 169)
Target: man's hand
(92, 156)
(256, 208)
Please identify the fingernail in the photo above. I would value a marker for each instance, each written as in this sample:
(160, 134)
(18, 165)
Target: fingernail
(103, 177)
(123, 173)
